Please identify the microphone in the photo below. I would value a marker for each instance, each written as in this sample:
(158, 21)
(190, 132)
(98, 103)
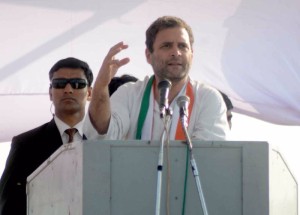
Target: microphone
(164, 88)
(183, 104)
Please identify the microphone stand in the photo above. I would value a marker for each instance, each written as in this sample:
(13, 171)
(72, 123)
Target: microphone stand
(193, 163)
(165, 116)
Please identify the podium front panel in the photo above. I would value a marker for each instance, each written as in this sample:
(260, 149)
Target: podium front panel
(120, 177)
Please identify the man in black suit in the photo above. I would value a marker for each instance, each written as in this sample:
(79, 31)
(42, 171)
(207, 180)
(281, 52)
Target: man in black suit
(69, 90)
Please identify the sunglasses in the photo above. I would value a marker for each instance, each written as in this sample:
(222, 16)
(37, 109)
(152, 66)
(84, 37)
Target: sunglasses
(61, 83)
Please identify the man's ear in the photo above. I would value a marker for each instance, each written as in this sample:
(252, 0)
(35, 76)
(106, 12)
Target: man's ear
(89, 92)
(148, 55)
(50, 93)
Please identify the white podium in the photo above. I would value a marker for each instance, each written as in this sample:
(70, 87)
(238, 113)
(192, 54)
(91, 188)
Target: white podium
(119, 178)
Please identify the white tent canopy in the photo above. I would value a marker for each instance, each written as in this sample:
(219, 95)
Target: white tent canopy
(248, 49)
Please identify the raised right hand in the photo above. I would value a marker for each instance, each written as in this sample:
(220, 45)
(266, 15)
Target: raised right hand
(111, 65)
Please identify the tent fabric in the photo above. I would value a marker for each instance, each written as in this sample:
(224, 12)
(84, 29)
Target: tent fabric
(248, 49)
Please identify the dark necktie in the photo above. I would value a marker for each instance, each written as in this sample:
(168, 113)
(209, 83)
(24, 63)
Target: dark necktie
(71, 132)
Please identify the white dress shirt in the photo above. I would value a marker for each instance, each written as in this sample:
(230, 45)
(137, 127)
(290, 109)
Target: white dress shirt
(63, 126)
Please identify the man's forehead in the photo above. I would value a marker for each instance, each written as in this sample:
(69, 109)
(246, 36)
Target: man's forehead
(172, 35)
(69, 72)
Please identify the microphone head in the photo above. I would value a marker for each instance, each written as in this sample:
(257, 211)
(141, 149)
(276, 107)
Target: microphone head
(183, 102)
(164, 88)
(164, 84)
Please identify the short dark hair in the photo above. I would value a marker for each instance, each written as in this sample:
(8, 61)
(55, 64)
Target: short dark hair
(73, 63)
(165, 22)
(116, 82)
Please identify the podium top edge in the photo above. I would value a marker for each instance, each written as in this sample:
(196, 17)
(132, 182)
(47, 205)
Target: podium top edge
(178, 143)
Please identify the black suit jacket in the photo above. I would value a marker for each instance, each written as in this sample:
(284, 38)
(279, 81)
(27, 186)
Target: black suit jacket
(28, 151)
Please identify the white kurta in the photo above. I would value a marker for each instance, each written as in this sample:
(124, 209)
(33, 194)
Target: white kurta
(207, 121)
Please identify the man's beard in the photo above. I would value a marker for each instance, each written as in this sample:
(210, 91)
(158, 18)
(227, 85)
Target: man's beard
(165, 72)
